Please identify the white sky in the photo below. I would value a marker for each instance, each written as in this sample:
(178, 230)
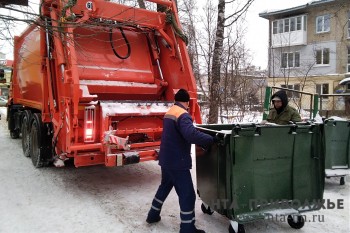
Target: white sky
(257, 28)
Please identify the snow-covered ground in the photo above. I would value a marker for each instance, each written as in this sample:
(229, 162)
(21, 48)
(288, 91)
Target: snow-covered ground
(101, 199)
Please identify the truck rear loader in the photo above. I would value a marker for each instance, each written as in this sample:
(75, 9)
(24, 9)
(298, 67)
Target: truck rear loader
(92, 80)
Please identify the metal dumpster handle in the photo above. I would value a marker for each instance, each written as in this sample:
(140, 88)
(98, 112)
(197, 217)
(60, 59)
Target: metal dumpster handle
(222, 138)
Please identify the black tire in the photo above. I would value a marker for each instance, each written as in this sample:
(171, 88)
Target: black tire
(14, 131)
(296, 225)
(206, 210)
(241, 229)
(25, 130)
(342, 180)
(14, 134)
(40, 144)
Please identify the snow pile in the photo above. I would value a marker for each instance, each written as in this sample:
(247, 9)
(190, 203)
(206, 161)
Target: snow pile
(336, 118)
(234, 116)
(110, 108)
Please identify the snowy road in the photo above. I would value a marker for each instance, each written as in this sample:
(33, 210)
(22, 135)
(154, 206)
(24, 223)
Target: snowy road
(100, 199)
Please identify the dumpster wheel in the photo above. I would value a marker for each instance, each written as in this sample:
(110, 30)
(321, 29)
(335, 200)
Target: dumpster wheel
(206, 210)
(296, 221)
(240, 228)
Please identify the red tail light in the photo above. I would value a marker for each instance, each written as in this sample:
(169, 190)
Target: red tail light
(89, 124)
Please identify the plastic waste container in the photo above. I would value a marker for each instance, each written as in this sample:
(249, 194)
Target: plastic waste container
(261, 172)
(337, 146)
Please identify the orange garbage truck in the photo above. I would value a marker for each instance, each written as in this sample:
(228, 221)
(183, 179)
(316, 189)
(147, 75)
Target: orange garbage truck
(92, 80)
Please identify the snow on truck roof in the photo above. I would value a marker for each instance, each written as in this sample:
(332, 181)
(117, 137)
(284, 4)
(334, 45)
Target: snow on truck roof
(110, 108)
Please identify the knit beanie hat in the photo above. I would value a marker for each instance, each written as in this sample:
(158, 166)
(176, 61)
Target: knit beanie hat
(182, 96)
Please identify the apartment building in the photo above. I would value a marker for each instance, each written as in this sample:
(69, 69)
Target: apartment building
(309, 48)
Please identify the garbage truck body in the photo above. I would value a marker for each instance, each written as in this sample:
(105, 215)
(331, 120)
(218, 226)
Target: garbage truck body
(92, 80)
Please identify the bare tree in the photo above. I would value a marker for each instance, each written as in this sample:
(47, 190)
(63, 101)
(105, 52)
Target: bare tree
(187, 10)
(200, 48)
(13, 19)
(222, 22)
(202, 51)
(141, 4)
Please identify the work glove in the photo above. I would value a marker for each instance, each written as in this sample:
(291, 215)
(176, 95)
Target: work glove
(218, 139)
(205, 148)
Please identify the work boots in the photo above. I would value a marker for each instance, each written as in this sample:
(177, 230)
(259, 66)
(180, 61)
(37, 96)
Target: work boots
(199, 231)
(195, 230)
(153, 220)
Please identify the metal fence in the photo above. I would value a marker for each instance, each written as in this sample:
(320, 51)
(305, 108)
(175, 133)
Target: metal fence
(335, 105)
(309, 104)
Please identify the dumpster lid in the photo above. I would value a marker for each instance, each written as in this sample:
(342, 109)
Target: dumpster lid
(213, 130)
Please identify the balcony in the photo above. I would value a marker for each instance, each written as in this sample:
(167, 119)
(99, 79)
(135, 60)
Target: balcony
(289, 39)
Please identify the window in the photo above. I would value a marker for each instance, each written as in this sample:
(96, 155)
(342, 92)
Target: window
(286, 25)
(299, 23)
(280, 26)
(289, 24)
(348, 66)
(323, 23)
(284, 60)
(292, 24)
(287, 86)
(274, 27)
(349, 24)
(322, 89)
(297, 59)
(322, 56)
(290, 60)
(292, 87)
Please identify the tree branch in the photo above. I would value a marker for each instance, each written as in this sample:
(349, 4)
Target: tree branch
(238, 13)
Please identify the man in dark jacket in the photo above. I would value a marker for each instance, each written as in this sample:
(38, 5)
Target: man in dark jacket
(282, 113)
(175, 161)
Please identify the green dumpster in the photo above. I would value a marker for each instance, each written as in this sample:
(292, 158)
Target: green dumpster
(261, 172)
(337, 143)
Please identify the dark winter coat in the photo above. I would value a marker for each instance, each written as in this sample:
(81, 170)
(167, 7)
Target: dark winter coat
(285, 114)
(177, 137)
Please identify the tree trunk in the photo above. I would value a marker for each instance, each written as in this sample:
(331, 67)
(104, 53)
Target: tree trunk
(216, 66)
(141, 4)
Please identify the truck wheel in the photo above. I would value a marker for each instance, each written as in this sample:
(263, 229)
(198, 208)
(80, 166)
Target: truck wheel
(14, 133)
(296, 222)
(40, 144)
(342, 180)
(25, 130)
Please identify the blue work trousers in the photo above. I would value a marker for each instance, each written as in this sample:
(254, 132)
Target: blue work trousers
(181, 180)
